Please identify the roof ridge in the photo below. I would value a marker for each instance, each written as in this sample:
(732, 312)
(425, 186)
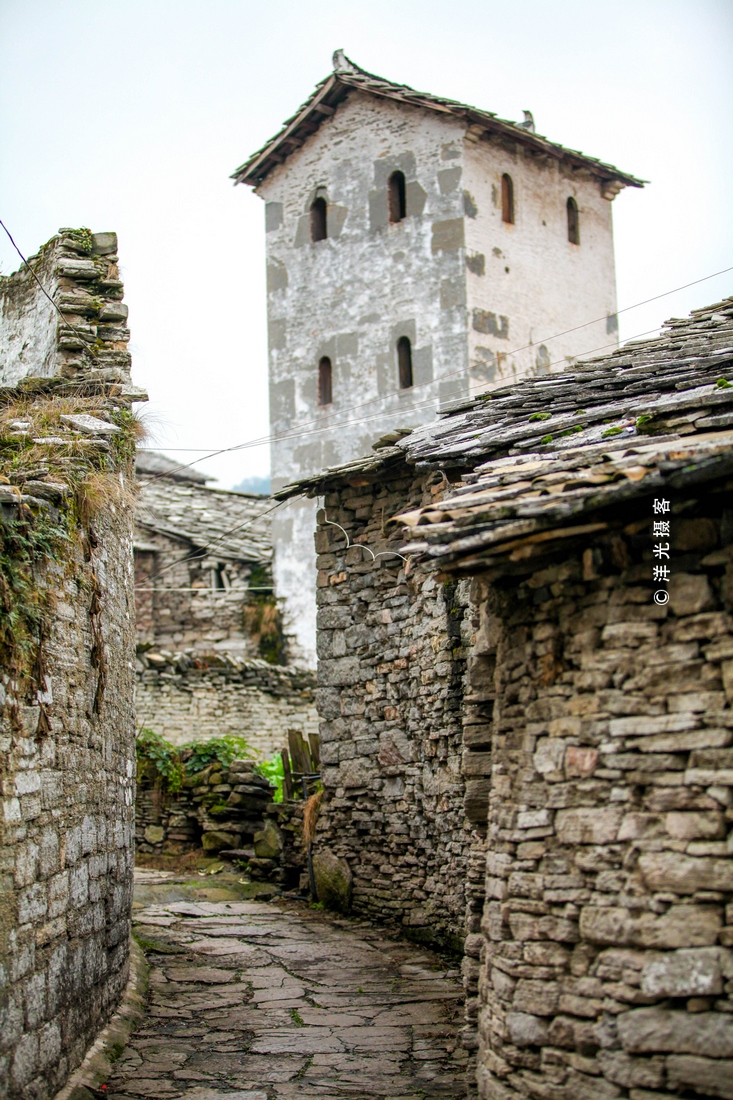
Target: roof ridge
(329, 93)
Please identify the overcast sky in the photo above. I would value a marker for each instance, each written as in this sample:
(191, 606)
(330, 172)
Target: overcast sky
(131, 114)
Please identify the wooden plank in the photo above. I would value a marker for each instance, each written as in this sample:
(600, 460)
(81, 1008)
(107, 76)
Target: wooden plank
(315, 747)
(299, 753)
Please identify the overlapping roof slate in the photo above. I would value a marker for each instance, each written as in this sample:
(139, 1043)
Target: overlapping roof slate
(542, 459)
(348, 77)
(228, 525)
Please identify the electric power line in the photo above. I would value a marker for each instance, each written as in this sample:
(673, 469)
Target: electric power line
(320, 426)
(84, 336)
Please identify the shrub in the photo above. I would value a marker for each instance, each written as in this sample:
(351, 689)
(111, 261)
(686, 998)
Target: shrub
(221, 750)
(272, 769)
(152, 749)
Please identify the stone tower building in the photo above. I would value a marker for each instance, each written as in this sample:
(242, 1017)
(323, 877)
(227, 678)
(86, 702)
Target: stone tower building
(419, 251)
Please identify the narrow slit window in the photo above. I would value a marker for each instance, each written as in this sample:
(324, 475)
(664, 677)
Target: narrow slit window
(573, 222)
(396, 196)
(507, 199)
(325, 379)
(319, 227)
(404, 362)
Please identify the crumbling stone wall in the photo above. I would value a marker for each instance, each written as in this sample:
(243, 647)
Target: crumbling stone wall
(392, 660)
(606, 964)
(67, 641)
(188, 698)
(218, 808)
(78, 270)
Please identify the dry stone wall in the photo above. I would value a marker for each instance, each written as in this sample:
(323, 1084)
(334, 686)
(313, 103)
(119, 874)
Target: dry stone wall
(78, 270)
(67, 730)
(392, 660)
(606, 967)
(184, 698)
(67, 845)
(218, 808)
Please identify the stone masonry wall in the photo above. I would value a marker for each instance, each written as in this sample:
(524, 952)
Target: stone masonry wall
(67, 729)
(177, 607)
(67, 837)
(78, 269)
(250, 699)
(606, 965)
(392, 659)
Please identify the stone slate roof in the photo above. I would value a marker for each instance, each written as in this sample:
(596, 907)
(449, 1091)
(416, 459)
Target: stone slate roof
(232, 526)
(348, 77)
(550, 454)
(155, 464)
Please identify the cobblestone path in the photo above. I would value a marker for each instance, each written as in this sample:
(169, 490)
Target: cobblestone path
(258, 1000)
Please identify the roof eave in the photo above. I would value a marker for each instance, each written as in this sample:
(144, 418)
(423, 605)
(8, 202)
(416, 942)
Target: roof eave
(251, 172)
(255, 170)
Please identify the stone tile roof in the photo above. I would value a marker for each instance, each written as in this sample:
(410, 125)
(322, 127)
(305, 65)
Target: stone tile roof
(232, 526)
(348, 77)
(550, 454)
(154, 464)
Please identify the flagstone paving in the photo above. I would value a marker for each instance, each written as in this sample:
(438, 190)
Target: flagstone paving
(271, 1000)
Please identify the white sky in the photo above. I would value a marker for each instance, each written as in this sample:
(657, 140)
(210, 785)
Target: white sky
(130, 115)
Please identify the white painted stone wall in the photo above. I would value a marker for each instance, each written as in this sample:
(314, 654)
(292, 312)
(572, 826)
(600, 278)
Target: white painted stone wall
(353, 295)
(28, 324)
(535, 282)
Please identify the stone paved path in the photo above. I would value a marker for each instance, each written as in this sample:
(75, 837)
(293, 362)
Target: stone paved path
(258, 1000)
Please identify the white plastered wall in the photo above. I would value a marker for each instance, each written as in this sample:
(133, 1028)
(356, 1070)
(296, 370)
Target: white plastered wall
(351, 296)
(536, 283)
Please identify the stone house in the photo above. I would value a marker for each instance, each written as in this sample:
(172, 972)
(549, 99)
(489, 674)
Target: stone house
(211, 657)
(418, 251)
(200, 555)
(67, 647)
(526, 700)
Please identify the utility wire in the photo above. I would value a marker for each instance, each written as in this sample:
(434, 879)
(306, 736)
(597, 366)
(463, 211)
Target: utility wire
(198, 552)
(320, 426)
(200, 549)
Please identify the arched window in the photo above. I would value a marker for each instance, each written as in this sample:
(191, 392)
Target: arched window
(507, 199)
(404, 362)
(325, 375)
(573, 221)
(396, 196)
(319, 227)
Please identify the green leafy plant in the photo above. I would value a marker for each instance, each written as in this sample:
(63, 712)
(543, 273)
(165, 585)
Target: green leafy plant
(546, 439)
(272, 770)
(219, 750)
(723, 384)
(261, 617)
(540, 416)
(152, 749)
(611, 431)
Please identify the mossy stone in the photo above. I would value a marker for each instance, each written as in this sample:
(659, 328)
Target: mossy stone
(216, 840)
(268, 841)
(334, 880)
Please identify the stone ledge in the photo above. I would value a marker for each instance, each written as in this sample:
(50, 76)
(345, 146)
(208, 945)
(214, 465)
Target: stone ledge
(107, 1047)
